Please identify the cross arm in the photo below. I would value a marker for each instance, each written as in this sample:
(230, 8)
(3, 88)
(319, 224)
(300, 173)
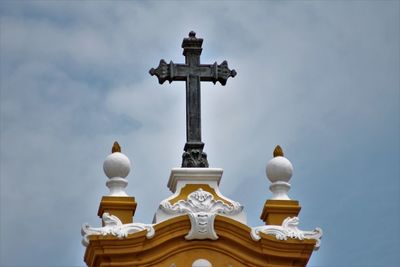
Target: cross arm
(179, 72)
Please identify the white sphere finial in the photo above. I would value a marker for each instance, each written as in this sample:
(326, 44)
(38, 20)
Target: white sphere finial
(117, 167)
(116, 164)
(279, 171)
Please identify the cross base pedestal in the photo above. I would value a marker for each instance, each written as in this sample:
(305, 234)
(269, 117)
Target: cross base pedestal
(194, 157)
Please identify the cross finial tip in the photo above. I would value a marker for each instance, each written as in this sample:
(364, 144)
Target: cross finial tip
(192, 34)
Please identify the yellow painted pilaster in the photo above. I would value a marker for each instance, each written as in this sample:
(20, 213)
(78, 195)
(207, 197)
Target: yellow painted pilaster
(122, 207)
(275, 211)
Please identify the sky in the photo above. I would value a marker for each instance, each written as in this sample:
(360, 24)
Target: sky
(319, 78)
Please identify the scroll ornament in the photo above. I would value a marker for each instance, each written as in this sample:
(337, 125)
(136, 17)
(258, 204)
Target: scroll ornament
(114, 226)
(288, 229)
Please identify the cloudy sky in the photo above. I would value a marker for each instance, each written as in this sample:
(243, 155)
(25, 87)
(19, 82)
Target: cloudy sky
(320, 78)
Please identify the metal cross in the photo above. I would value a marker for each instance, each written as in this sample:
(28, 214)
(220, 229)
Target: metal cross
(192, 72)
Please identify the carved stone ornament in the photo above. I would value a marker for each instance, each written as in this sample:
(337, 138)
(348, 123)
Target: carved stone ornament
(202, 226)
(194, 158)
(288, 229)
(201, 208)
(114, 226)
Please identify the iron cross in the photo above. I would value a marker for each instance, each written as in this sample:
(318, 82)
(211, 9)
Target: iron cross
(192, 72)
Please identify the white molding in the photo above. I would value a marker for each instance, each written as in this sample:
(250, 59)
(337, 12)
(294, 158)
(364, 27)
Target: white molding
(202, 208)
(288, 229)
(194, 175)
(114, 226)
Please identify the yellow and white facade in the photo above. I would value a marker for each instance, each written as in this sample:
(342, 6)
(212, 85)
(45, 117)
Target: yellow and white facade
(197, 225)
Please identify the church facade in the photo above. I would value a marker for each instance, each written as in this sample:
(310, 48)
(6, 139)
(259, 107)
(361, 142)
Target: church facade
(197, 226)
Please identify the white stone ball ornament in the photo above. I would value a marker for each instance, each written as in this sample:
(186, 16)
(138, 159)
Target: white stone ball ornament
(117, 165)
(279, 170)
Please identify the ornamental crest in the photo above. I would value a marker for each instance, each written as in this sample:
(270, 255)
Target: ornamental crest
(201, 201)
(202, 208)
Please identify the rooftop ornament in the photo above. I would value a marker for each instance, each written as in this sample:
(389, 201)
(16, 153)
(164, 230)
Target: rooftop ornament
(117, 167)
(279, 171)
(192, 72)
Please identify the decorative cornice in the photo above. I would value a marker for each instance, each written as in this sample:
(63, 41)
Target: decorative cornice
(288, 229)
(202, 208)
(193, 175)
(114, 226)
